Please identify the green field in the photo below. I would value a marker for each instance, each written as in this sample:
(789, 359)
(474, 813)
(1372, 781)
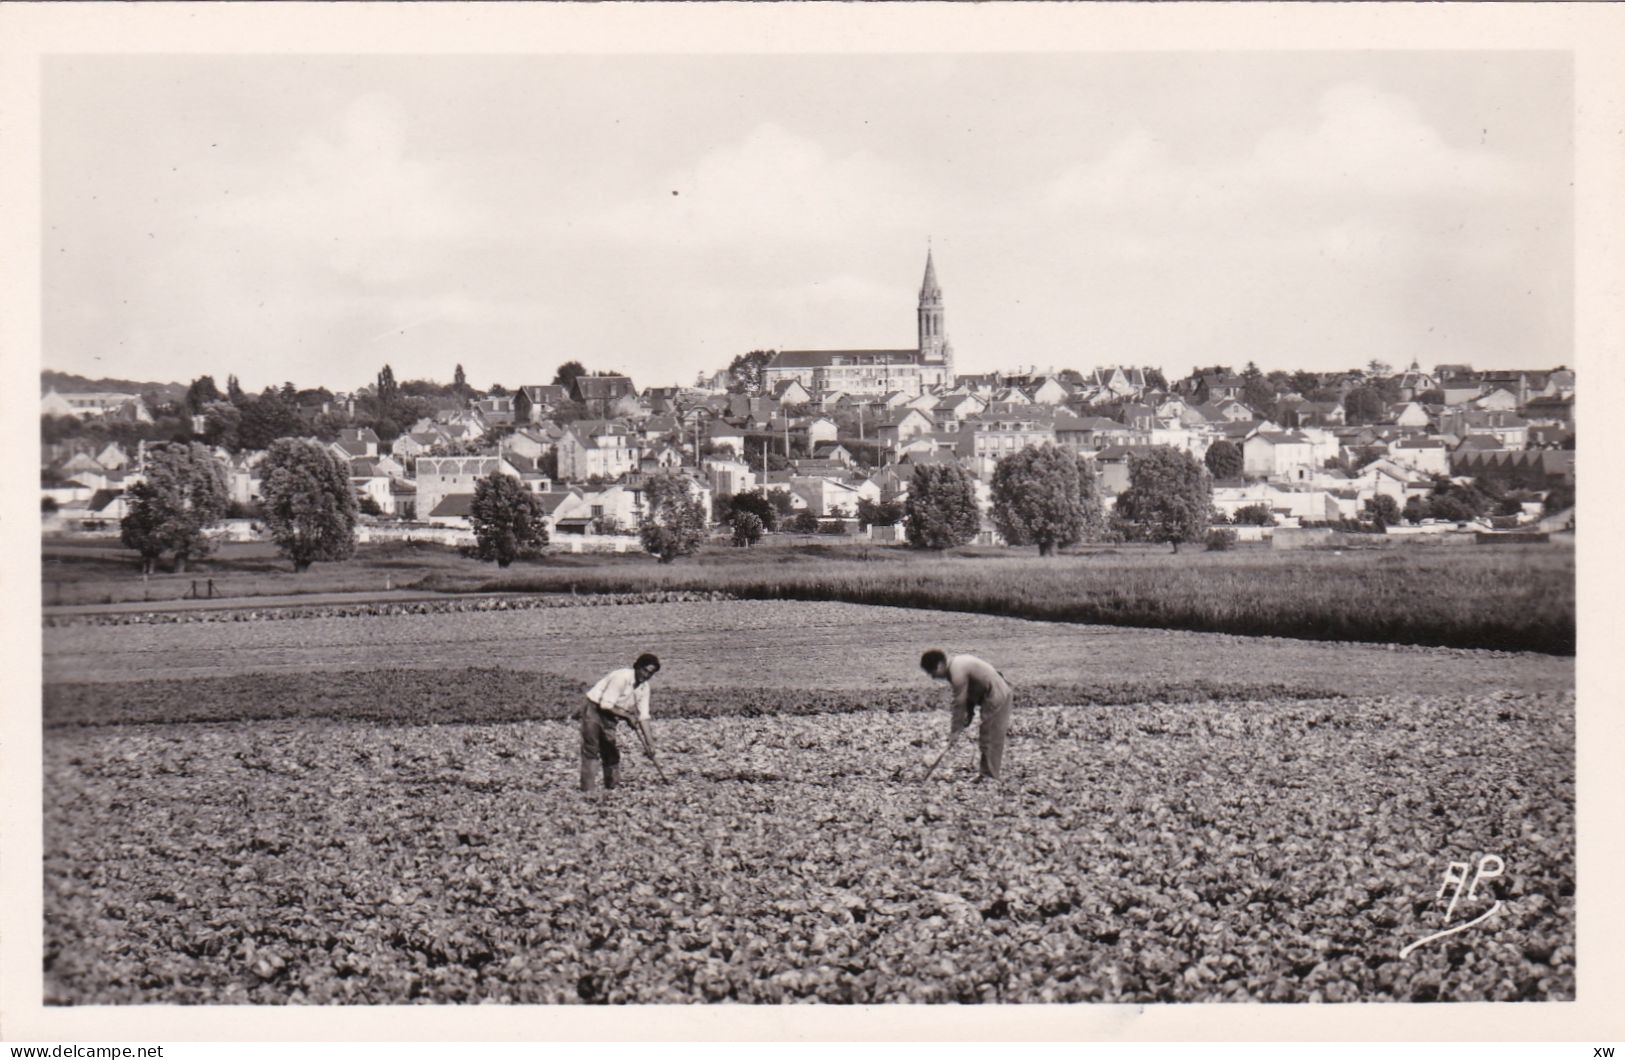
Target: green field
(1516, 598)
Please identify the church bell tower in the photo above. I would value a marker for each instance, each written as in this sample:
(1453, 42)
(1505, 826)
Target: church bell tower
(934, 347)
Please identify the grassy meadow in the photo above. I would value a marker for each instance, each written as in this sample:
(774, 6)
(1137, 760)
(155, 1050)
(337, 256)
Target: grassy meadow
(1513, 598)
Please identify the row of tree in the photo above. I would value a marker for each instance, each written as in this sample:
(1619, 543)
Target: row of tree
(306, 503)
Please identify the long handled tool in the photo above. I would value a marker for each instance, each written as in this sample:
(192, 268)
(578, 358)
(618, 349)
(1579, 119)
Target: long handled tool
(933, 767)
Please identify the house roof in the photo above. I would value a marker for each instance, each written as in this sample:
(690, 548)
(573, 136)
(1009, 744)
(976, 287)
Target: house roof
(477, 466)
(602, 387)
(455, 505)
(896, 417)
(545, 394)
(552, 499)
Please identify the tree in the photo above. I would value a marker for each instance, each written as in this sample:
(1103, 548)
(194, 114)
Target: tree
(941, 507)
(459, 382)
(309, 506)
(754, 502)
(747, 529)
(745, 371)
(567, 375)
(1305, 383)
(1155, 379)
(1089, 501)
(1383, 510)
(509, 522)
(200, 393)
(1258, 395)
(265, 419)
(1035, 498)
(804, 522)
(387, 390)
(1364, 404)
(1224, 460)
(673, 519)
(880, 513)
(221, 423)
(1169, 497)
(1558, 498)
(182, 494)
(234, 391)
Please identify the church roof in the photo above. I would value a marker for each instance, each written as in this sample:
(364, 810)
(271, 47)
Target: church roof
(828, 358)
(929, 289)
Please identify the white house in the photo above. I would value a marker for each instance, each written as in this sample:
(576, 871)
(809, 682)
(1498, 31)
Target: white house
(439, 477)
(729, 476)
(720, 434)
(1430, 456)
(1281, 455)
(822, 496)
(821, 429)
(598, 448)
(902, 425)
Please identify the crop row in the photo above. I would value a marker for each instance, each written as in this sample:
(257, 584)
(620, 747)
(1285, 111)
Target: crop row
(1288, 851)
(1513, 599)
(371, 609)
(488, 694)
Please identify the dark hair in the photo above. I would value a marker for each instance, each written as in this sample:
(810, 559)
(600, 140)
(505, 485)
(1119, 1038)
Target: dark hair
(932, 659)
(646, 659)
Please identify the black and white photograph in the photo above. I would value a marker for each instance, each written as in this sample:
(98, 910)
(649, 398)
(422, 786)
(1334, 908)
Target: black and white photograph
(878, 525)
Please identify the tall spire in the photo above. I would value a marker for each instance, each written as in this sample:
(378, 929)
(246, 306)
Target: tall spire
(930, 292)
(933, 344)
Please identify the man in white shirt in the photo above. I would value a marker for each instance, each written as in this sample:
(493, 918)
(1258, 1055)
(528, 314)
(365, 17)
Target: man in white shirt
(976, 683)
(619, 694)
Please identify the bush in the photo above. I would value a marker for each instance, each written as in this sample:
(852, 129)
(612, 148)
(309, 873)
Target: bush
(1221, 539)
(804, 522)
(747, 529)
(1254, 515)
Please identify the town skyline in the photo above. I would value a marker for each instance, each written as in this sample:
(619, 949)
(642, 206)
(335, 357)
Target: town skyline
(312, 219)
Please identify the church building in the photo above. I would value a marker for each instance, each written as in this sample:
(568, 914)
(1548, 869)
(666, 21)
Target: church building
(876, 372)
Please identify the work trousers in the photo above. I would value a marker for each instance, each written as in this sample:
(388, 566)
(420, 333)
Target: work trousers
(598, 748)
(995, 725)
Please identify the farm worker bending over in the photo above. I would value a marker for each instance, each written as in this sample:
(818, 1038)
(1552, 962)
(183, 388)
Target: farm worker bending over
(620, 694)
(976, 684)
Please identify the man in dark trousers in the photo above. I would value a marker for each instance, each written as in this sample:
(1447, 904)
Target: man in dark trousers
(975, 684)
(619, 694)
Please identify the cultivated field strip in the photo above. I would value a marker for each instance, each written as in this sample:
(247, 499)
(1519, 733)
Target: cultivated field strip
(1217, 851)
(796, 645)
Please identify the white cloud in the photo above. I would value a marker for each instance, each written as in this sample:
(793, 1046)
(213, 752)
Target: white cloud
(1367, 145)
(772, 184)
(355, 204)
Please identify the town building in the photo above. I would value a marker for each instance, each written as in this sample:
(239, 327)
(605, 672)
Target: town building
(876, 371)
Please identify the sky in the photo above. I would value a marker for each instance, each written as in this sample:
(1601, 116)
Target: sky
(312, 218)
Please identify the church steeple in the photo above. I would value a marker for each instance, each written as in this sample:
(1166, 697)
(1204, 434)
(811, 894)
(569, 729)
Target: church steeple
(934, 346)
